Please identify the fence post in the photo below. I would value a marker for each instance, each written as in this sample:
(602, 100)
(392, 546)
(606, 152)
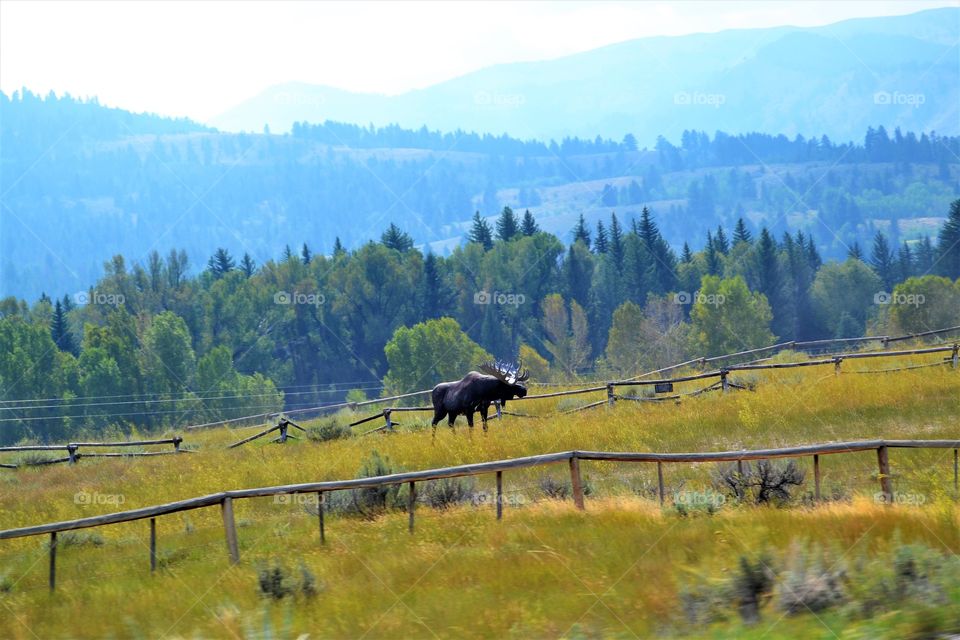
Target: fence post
(386, 420)
(816, 477)
(53, 561)
(320, 500)
(575, 481)
(153, 545)
(836, 366)
(412, 502)
(176, 443)
(499, 495)
(956, 472)
(886, 486)
(72, 453)
(956, 356)
(230, 529)
(660, 490)
(282, 425)
(611, 400)
(723, 380)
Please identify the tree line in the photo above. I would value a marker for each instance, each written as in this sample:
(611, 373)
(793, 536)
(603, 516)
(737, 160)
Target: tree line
(150, 345)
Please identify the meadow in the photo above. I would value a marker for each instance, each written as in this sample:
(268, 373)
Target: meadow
(625, 567)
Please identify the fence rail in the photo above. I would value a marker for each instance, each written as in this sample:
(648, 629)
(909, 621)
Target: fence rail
(73, 454)
(573, 458)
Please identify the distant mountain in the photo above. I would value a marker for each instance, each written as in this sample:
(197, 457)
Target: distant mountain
(899, 70)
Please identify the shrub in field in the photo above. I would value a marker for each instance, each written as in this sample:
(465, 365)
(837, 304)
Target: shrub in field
(329, 430)
(278, 582)
(78, 539)
(557, 489)
(746, 590)
(751, 586)
(811, 582)
(448, 492)
(766, 482)
(371, 501)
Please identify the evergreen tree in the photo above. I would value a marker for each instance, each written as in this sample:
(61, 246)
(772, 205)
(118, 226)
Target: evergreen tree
(481, 233)
(507, 226)
(948, 243)
(687, 256)
(247, 265)
(435, 295)
(741, 233)
(287, 253)
(394, 238)
(581, 233)
(529, 225)
(221, 263)
(720, 242)
(305, 254)
(714, 260)
(854, 252)
(616, 241)
(602, 244)
(926, 256)
(338, 246)
(60, 329)
(882, 261)
(905, 262)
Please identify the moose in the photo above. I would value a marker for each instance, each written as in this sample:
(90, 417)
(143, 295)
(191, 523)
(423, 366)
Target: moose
(476, 391)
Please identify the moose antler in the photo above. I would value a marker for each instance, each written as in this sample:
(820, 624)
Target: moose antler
(505, 372)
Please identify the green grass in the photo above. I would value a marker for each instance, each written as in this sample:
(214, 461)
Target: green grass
(546, 570)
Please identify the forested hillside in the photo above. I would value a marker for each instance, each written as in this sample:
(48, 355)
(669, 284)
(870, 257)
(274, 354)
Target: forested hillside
(151, 345)
(82, 183)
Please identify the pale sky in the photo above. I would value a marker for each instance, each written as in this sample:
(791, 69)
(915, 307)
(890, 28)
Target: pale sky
(198, 59)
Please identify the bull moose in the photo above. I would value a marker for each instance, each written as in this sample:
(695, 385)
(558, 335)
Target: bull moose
(476, 391)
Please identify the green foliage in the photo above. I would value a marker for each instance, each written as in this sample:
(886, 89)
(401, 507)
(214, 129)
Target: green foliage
(843, 295)
(728, 317)
(329, 429)
(428, 353)
(925, 303)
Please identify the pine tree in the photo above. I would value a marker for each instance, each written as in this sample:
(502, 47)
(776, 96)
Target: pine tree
(287, 253)
(854, 252)
(905, 262)
(581, 233)
(769, 269)
(529, 225)
(221, 263)
(338, 247)
(741, 233)
(882, 260)
(721, 242)
(60, 329)
(948, 244)
(616, 241)
(305, 254)
(481, 232)
(247, 265)
(926, 256)
(601, 245)
(435, 294)
(394, 238)
(714, 261)
(687, 256)
(507, 227)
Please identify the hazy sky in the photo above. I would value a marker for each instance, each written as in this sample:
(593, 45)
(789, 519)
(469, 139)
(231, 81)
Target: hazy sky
(198, 59)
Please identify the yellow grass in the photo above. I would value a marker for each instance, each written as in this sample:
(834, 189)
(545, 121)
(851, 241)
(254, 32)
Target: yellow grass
(545, 571)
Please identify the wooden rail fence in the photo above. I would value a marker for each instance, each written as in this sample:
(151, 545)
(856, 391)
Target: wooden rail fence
(225, 499)
(73, 454)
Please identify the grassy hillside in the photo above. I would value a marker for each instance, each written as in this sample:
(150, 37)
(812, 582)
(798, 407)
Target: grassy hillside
(624, 567)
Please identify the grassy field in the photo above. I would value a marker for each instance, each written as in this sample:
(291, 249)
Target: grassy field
(623, 568)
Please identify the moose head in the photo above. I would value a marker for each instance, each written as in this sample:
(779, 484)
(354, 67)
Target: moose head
(514, 376)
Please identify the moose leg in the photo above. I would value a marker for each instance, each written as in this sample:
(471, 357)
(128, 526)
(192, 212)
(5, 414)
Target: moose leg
(484, 408)
(470, 419)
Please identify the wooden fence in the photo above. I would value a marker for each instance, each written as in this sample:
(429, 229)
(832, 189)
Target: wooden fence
(225, 499)
(73, 454)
